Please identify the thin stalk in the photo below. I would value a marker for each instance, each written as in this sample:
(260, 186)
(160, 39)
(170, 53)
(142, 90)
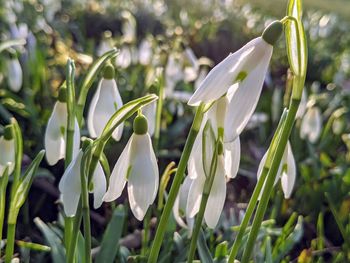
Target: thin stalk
(74, 235)
(86, 212)
(158, 113)
(205, 196)
(260, 212)
(3, 185)
(146, 232)
(256, 193)
(176, 184)
(11, 231)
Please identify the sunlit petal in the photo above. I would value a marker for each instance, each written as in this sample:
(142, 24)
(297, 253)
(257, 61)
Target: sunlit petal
(232, 155)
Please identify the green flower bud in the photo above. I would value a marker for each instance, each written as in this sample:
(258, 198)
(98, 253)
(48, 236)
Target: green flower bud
(8, 133)
(62, 94)
(220, 148)
(108, 71)
(272, 32)
(140, 125)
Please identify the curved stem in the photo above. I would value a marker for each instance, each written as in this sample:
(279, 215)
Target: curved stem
(260, 212)
(176, 184)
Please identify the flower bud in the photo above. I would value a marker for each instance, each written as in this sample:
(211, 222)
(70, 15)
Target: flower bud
(272, 32)
(140, 125)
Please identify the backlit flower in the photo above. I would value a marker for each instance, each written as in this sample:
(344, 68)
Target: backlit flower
(311, 124)
(7, 149)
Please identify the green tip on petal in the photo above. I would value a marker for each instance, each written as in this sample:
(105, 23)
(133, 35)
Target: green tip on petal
(140, 125)
(62, 94)
(8, 134)
(108, 71)
(272, 32)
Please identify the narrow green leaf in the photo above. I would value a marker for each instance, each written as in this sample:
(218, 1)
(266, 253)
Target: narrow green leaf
(268, 252)
(221, 250)
(90, 78)
(110, 242)
(54, 241)
(208, 146)
(33, 246)
(296, 39)
(203, 250)
(125, 112)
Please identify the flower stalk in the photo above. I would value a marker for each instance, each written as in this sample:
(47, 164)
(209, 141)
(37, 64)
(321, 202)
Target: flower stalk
(178, 178)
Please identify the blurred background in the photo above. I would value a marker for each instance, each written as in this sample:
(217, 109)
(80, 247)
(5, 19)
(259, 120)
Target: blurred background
(188, 38)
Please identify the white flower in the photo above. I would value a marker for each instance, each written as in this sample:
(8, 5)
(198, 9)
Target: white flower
(302, 106)
(191, 71)
(70, 186)
(7, 149)
(105, 102)
(136, 165)
(145, 52)
(227, 167)
(241, 76)
(103, 47)
(311, 124)
(150, 111)
(286, 171)
(55, 134)
(128, 26)
(15, 74)
(124, 58)
(180, 204)
(173, 74)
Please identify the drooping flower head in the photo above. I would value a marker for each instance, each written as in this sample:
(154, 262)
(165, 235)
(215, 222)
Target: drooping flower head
(15, 74)
(240, 75)
(286, 171)
(70, 185)
(311, 124)
(104, 104)
(56, 131)
(136, 165)
(7, 149)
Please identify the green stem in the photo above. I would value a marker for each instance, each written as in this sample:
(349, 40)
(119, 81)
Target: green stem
(3, 186)
(205, 196)
(74, 236)
(260, 212)
(176, 184)
(10, 243)
(158, 113)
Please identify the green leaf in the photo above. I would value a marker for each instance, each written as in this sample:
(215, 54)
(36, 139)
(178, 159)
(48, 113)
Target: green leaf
(22, 190)
(10, 43)
(124, 113)
(33, 246)
(54, 241)
(296, 39)
(90, 78)
(221, 250)
(110, 242)
(203, 250)
(268, 252)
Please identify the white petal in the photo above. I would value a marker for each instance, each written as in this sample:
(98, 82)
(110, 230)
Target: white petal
(245, 96)
(7, 157)
(195, 196)
(70, 186)
(117, 180)
(104, 104)
(55, 133)
(302, 106)
(289, 175)
(123, 60)
(15, 75)
(232, 157)
(176, 213)
(145, 52)
(180, 204)
(76, 138)
(217, 196)
(99, 182)
(150, 112)
(222, 76)
(311, 124)
(144, 175)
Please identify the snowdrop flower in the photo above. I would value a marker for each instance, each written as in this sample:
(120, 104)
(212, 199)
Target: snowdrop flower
(150, 111)
(15, 74)
(311, 124)
(104, 104)
(191, 71)
(105, 44)
(124, 58)
(286, 171)
(128, 27)
(56, 130)
(227, 167)
(70, 186)
(7, 149)
(179, 208)
(173, 74)
(145, 52)
(241, 76)
(136, 165)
